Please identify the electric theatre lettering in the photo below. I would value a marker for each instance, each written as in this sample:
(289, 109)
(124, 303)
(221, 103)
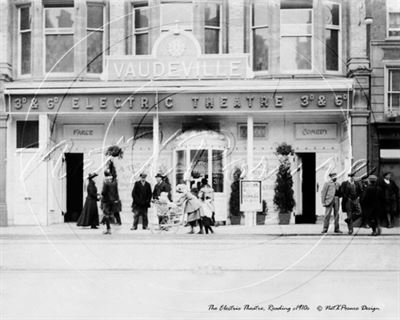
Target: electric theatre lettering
(178, 102)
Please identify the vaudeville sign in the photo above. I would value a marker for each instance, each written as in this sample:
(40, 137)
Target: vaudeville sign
(250, 195)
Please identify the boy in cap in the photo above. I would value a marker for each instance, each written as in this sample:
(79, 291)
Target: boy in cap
(330, 200)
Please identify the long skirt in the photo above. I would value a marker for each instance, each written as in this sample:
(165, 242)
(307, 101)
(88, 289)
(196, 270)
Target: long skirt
(89, 215)
(193, 216)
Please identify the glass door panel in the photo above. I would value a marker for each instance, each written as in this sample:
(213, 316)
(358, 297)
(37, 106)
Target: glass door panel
(217, 171)
(199, 163)
(180, 166)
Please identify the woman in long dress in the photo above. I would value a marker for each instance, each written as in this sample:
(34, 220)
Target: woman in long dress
(191, 207)
(90, 213)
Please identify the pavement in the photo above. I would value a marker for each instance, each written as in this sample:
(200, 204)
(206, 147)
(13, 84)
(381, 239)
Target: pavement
(227, 231)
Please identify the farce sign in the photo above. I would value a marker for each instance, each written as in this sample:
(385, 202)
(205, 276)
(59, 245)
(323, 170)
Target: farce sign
(180, 102)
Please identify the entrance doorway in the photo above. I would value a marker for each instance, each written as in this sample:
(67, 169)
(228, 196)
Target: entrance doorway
(74, 162)
(307, 188)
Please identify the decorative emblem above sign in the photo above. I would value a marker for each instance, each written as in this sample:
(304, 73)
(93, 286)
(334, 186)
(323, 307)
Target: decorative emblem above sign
(177, 55)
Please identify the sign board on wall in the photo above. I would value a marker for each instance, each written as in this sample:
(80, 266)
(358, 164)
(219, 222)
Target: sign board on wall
(250, 195)
(177, 55)
(84, 131)
(315, 131)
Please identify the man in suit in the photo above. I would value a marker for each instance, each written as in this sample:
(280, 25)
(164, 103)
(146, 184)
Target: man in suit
(141, 196)
(350, 191)
(330, 200)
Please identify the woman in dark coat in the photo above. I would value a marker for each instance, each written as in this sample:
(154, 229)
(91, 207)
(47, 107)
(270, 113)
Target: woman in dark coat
(90, 213)
(372, 203)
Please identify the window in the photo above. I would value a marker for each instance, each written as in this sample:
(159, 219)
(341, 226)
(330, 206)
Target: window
(393, 18)
(259, 35)
(59, 39)
(212, 28)
(142, 131)
(296, 35)
(27, 134)
(176, 13)
(393, 93)
(24, 40)
(332, 36)
(141, 28)
(95, 38)
(260, 131)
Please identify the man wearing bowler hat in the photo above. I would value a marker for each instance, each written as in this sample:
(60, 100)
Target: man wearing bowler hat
(141, 196)
(350, 191)
(330, 200)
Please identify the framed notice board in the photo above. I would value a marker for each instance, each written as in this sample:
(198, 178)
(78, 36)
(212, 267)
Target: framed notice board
(250, 195)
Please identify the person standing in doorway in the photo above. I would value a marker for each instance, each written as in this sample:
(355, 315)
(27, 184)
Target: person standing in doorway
(330, 200)
(141, 198)
(90, 213)
(391, 197)
(350, 191)
(110, 199)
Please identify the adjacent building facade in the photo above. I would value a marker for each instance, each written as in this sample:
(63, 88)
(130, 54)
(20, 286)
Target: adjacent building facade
(190, 88)
(385, 86)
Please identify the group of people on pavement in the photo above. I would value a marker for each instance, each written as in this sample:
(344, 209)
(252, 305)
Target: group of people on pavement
(196, 204)
(374, 201)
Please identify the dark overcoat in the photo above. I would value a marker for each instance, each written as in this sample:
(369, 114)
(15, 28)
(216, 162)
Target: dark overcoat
(345, 192)
(372, 202)
(110, 198)
(141, 195)
(161, 187)
(90, 213)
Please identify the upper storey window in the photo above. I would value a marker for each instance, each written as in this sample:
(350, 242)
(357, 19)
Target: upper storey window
(24, 40)
(296, 35)
(212, 28)
(176, 13)
(59, 39)
(332, 36)
(141, 26)
(259, 35)
(95, 38)
(393, 18)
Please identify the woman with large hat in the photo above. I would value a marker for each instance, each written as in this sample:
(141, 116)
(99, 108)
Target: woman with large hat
(90, 213)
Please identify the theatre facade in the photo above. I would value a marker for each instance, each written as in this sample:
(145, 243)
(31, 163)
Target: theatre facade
(183, 111)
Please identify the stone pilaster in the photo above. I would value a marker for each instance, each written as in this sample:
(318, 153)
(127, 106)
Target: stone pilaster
(3, 160)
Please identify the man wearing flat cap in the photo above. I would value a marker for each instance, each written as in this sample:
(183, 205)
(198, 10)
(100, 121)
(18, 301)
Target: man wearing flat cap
(330, 200)
(141, 198)
(350, 191)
